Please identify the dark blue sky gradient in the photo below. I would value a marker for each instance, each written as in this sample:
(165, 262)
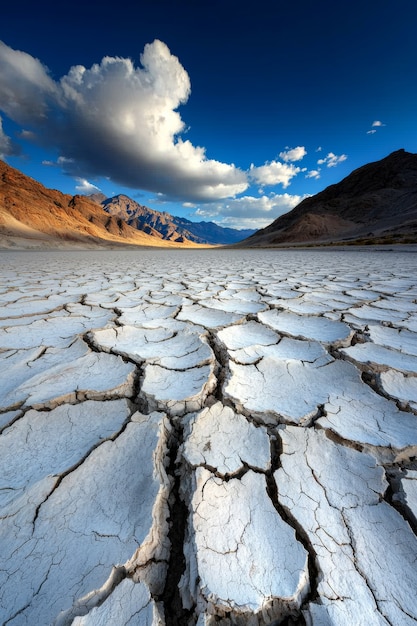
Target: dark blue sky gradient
(264, 75)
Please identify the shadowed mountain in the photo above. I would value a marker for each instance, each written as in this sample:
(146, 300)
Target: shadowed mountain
(33, 216)
(375, 203)
(168, 226)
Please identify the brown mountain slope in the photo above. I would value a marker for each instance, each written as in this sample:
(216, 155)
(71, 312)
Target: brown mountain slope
(32, 215)
(375, 202)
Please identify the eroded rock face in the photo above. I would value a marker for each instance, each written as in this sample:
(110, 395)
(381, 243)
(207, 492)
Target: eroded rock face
(208, 438)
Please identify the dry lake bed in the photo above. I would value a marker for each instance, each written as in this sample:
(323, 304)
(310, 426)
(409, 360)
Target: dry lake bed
(208, 437)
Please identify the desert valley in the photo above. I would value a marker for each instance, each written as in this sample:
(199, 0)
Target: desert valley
(375, 204)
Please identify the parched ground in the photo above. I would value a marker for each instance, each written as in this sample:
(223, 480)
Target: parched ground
(208, 437)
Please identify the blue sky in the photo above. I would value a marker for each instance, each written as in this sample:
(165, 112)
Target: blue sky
(220, 110)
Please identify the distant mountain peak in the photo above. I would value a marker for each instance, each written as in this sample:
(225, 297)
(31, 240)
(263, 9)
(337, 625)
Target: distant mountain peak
(97, 197)
(170, 227)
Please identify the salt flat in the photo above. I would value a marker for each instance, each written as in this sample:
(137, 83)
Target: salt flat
(208, 437)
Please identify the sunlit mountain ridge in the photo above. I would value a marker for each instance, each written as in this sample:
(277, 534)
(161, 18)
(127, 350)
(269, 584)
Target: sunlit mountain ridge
(171, 227)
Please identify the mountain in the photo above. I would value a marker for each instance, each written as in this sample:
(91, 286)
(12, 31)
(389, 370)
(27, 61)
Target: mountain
(168, 226)
(376, 203)
(33, 216)
(97, 197)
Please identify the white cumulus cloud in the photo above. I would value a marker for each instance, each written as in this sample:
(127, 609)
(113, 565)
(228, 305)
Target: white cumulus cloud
(313, 173)
(25, 86)
(249, 211)
(293, 154)
(85, 187)
(331, 160)
(118, 121)
(377, 123)
(274, 173)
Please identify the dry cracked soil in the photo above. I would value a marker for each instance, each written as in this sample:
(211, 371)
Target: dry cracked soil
(208, 437)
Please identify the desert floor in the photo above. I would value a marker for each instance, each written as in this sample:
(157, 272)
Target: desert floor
(208, 437)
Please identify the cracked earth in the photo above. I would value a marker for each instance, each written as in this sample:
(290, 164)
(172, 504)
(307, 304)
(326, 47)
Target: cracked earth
(193, 438)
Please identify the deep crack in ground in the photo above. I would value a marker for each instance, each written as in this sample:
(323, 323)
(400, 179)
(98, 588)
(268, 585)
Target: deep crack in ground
(175, 613)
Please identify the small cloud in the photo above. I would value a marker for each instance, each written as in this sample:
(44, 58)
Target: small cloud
(64, 161)
(27, 135)
(331, 160)
(189, 205)
(313, 174)
(293, 154)
(319, 149)
(273, 173)
(376, 124)
(7, 146)
(85, 187)
(60, 162)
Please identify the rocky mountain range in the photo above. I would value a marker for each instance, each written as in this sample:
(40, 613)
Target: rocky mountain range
(33, 216)
(167, 226)
(375, 203)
